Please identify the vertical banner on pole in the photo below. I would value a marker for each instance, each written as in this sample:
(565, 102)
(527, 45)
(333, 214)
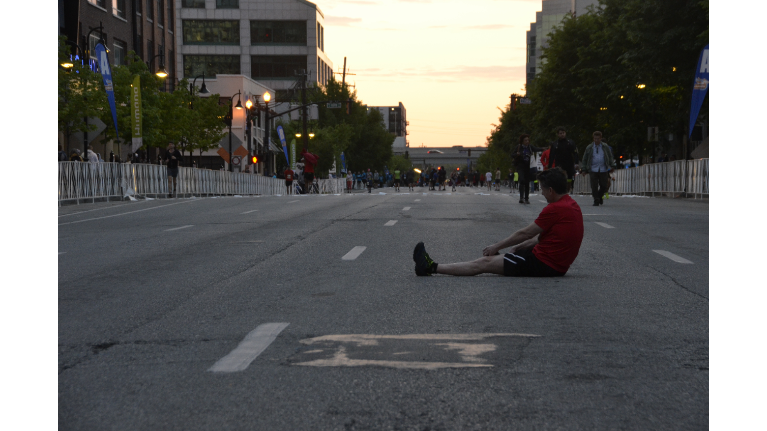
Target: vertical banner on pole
(700, 89)
(135, 101)
(293, 154)
(106, 74)
(343, 161)
(281, 134)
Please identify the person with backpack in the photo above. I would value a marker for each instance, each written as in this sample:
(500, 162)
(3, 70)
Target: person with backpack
(63, 155)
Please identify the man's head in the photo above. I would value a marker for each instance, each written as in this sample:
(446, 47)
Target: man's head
(597, 137)
(524, 139)
(561, 132)
(90, 147)
(553, 181)
(171, 147)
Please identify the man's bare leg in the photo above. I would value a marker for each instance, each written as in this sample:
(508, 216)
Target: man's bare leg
(483, 265)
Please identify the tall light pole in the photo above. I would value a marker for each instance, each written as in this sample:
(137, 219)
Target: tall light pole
(231, 119)
(267, 128)
(203, 88)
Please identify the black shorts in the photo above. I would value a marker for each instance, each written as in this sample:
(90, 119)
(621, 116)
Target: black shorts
(525, 264)
(308, 177)
(288, 183)
(173, 172)
(396, 181)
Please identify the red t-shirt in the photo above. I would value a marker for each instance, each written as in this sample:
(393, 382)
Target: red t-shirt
(288, 175)
(560, 241)
(545, 159)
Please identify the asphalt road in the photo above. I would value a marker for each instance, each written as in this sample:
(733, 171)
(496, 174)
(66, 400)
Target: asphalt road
(262, 314)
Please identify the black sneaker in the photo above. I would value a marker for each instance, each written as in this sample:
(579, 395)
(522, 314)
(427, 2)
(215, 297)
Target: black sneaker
(423, 263)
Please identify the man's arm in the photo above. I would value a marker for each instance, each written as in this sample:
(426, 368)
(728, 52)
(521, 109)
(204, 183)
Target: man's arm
(523, 238)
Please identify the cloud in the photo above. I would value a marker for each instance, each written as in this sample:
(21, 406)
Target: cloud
(341, 21)
(488, 27)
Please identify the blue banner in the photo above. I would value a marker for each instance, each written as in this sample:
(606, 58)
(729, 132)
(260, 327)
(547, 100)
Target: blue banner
(281, 134)
(343, 161)
(700, 89)
(106, 73)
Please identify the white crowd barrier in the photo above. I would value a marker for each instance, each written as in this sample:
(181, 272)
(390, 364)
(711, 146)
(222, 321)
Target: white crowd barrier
(681, 176)
(79, 181)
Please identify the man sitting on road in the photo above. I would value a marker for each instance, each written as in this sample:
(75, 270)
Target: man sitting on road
(545, 248)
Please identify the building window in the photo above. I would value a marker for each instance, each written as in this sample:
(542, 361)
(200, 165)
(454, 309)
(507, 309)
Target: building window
(278, 32)
(118, 8)
(92, 41)
(171, 20)
(322, 38)
(211, 32)
(150, 55)
(160, 12)
(169, 63)
(210, 65)
(197, 4)
(227, 4)
(150, 9)
(120, 50)
(100, 3)
(276, 66)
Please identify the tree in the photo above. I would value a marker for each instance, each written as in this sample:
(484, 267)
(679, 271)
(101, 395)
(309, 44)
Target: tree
(80, 94)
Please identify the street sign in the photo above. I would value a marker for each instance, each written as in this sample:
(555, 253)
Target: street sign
(334, 105)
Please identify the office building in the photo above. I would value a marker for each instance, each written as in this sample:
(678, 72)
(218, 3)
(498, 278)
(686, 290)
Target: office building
(551, 15)
(395, 121)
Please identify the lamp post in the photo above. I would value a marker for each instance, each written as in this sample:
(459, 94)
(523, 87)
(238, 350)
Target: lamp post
(161, 72)
(203, 89)
(267, 128)
(231, 119)
(251, 112)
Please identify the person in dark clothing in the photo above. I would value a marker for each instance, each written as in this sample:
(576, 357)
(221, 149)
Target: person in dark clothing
(172, 158)
(522, 162)
(563, 154)
(63, 154)
(75, 157)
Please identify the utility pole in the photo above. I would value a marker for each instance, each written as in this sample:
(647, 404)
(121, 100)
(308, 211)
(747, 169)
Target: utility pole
(305, 134)
(343, 76)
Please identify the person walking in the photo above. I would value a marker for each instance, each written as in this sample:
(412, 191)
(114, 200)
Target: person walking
(442, 177)
(369, 180)
(289, 175)
(522, 156)
(489, 180)
(397, 178)
(498, 179)
(545, 248)
(516, 181)
(599, 163)
(349, 181)
(564, 154)
(172, 157)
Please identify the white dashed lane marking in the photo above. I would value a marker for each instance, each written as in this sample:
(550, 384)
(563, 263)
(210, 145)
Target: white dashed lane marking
(390, 223)
(61, 252)
(248, 212)
(418, 200)
(292, 202)
(122, 214)
(249, 348)
(177, 228)
(604, 225)
(406, 209)
(354, 253)
(672, 256)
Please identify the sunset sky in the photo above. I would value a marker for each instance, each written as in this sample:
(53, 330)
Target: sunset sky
(452, 63)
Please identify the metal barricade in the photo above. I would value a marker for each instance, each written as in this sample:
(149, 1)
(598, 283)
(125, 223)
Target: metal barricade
(682, 176)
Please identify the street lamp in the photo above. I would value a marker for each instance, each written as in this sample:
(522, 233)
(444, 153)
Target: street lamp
(267, 128)
(231, 119)
(203, 87)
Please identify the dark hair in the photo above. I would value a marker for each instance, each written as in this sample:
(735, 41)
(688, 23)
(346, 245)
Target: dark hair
(522, 138)
(597, 133)
(561, 129)
(554, 178)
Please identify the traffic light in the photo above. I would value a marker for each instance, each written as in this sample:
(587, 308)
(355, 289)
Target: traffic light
(254, 159)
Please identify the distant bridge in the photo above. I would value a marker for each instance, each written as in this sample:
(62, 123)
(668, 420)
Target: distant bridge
(442, 156)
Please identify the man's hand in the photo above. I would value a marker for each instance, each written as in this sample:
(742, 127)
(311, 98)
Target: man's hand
(490, 250)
